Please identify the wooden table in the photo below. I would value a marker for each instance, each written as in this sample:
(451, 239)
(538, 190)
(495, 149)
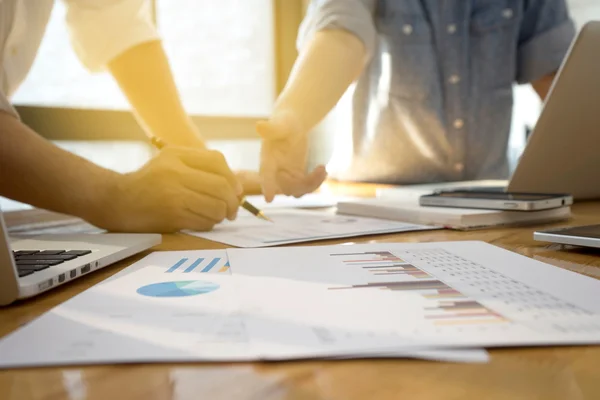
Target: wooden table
(523, 373)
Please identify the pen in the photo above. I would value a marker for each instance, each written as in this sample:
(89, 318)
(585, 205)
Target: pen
(159, 144)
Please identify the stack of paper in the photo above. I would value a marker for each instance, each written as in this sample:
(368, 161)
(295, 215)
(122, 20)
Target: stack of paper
(374, 300)
(168, 307)
(409, 210)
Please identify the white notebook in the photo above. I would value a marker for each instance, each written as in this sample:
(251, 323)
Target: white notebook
(454, 218)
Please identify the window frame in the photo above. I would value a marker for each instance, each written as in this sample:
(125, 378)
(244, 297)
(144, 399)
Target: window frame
(64, 123)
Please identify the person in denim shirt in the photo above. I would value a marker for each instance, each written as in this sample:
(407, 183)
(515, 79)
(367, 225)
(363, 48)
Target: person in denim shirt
(433, 96)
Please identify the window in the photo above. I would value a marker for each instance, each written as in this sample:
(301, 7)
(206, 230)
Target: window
(221, 53)
(229, 58)
(57, 78)
(583, 11)
(219, 71)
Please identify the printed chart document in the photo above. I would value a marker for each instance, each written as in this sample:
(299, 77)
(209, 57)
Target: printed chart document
(186, 312)
(311, 200)
(429, 294)
(169, 307)
(296, 226)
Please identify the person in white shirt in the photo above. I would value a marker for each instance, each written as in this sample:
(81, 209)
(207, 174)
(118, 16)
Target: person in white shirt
(186, 186)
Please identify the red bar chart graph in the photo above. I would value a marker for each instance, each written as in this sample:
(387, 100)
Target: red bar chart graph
(448, 305)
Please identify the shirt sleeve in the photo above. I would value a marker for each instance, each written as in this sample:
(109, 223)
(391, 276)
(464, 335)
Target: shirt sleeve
(100, 30)
(354, 16)
(546, 34)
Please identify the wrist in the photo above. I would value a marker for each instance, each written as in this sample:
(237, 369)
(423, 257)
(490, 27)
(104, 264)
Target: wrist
(185, 141)
(184, 136)
(289, 117)
(102, 207)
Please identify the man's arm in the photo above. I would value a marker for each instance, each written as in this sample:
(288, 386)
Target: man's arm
(542, 86)
(180, 188)
(545, 35)
(35, 171)
(120, 35)
(326, 66)
(336, 39)
(145, 77)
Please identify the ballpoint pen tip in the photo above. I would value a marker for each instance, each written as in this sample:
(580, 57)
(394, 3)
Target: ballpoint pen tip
(263, 216)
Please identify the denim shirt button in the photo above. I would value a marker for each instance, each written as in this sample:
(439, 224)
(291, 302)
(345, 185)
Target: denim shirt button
(458, 123)
(407, 29)
(454, 79)
(451, 29)
(507, 13)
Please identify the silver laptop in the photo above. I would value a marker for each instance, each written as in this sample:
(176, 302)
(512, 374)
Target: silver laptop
(587, 236)
(32, 265)
(563, 152)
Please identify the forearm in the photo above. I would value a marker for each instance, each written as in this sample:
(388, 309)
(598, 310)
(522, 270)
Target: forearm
(34, 171)
(144, 75)
(326, 66)
(542, 86)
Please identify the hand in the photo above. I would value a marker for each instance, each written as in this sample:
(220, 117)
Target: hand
(283, 158)
(180, 188)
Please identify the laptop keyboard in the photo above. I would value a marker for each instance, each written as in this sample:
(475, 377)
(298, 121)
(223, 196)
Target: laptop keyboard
(31, 261)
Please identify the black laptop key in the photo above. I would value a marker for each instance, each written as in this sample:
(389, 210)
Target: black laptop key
(25, 252)
(36, 262)
(50, 252)
(34, 268)
(63, 257)
(25, 273)
(77, 253)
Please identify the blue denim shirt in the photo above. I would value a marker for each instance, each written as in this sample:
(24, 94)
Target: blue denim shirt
(435, 101)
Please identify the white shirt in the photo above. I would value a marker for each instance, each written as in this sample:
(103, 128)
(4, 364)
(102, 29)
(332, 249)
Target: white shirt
(99, 30)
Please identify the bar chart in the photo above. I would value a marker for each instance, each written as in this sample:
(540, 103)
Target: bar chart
(382, 263)
(521, 301)
(448, 306)
(463, 312)
(200, 265)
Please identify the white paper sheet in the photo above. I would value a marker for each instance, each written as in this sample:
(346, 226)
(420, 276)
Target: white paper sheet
(428, 294)
(296, 226)
(311, 200)
(115, 323)
(118, 321)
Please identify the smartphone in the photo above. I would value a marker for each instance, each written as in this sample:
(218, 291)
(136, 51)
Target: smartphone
(495, 200)
(587, 235)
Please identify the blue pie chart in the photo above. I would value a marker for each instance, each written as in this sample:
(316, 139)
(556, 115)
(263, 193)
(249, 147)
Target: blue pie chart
(177, 289)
